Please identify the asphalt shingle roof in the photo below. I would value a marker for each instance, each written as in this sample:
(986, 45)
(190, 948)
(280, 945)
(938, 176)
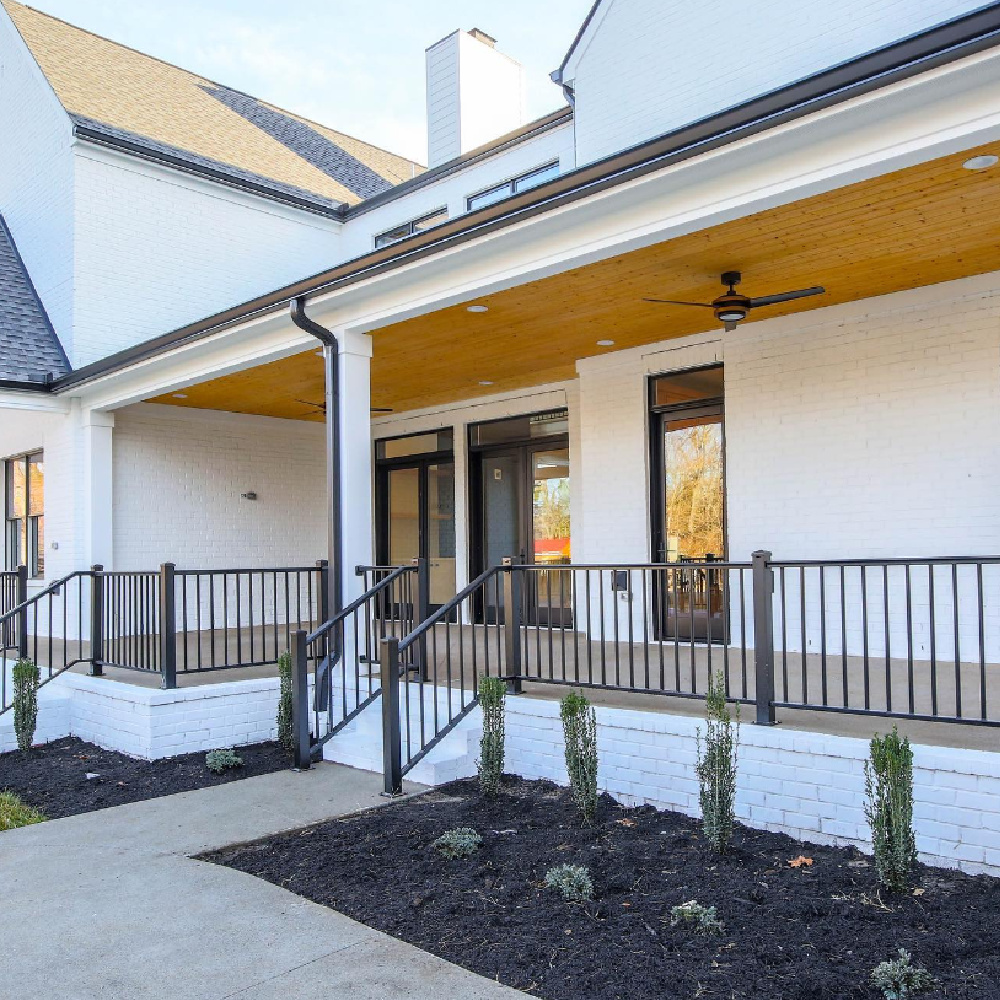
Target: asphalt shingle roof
(29, 348)
(133, 94)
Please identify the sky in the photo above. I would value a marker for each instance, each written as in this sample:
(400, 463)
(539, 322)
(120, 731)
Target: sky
(357, 67)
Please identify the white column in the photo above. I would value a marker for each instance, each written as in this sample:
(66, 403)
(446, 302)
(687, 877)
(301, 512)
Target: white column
(96, 429)
(358, 509)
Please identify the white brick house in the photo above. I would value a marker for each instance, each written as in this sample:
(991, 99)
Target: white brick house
(498, 361)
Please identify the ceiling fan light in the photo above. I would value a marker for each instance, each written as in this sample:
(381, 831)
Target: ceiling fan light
(730, 314)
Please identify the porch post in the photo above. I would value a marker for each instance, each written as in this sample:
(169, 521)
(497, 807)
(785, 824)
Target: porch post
(97, 429)
(763, 636)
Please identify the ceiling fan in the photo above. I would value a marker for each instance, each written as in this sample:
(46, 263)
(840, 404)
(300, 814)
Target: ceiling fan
(321, 407)
(731, 307)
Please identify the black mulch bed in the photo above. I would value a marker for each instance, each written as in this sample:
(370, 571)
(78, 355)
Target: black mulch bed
(52, 777)
(812, 931)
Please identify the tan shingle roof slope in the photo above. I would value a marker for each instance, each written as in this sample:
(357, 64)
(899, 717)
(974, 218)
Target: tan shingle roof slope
(100, 82)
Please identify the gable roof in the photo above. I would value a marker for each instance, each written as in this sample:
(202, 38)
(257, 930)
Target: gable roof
(128, 99)
(29, 348)
(559, 74)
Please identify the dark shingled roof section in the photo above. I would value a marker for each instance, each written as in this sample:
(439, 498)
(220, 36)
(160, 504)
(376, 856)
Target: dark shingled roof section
(29, 347)
(142, 142)
(314, 148)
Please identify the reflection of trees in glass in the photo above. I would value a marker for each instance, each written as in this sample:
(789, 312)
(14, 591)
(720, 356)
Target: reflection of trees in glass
(551, 506)
(693, 458)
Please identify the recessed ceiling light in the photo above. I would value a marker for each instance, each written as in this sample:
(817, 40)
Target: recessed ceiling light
(981, 162)
(485, 381)
(319, 354)
(180, 395)
(477, 309)
(605, 343)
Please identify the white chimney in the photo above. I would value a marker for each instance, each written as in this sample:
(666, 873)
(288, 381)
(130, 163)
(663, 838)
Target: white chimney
(474, 94)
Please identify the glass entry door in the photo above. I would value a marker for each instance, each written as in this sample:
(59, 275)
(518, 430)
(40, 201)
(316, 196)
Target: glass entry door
(415, 510)
(689, 505)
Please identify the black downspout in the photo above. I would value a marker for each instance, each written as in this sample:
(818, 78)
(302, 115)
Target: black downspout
(334, 534)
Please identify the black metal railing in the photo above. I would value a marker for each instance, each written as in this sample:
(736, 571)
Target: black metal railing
(13, 591)
(50, 627)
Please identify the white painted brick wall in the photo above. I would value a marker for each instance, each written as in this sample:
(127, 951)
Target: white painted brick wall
(650, 66)
(178, 476)
(36, 177)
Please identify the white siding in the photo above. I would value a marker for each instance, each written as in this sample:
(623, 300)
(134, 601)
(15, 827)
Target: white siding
(178, 476)
(646, 67)
(36, 177)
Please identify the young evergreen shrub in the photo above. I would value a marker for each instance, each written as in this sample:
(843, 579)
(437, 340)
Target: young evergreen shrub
(898, 979)
(462, 842)
(25, 676)
(14, 813)
(286, 735)
(492, 694)
(889, 808)
(700, 918)
(716, 767)
(579, 723)
(573, 881)
(218, 761)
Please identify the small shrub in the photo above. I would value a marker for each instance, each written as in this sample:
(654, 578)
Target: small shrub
(889, 808)
(286, 734)
(716, 767)
(14, 813)
(218, 761)
(462, 842)
(692, 914)
(573, 881)
(898, 979)
(579, 723)
(492, 695)
(25, 675)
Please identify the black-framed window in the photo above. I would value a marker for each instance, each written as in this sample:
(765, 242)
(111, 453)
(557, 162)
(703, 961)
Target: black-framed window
(522, 182)
(411, 228)
(24, 505)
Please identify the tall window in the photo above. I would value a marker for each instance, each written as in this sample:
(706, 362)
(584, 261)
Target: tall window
(24, 479)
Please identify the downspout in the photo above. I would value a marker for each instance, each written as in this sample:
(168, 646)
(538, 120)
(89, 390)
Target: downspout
(334, 533)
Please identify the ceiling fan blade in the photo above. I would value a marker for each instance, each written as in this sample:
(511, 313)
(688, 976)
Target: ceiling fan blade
(381, 409)
(801, 293)
(675, 302)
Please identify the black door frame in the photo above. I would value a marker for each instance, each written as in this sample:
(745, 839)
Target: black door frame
(383, 468)
(658, 417)
(522, 449)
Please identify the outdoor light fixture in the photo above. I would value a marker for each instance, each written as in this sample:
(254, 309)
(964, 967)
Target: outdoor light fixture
(477, 309)
(981, 162)
(485, 381)
(180, 395)
(605, 343)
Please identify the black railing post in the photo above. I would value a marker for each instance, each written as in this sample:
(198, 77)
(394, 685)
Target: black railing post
(302, 750)
(512, 626)
(323, 566)
(392, 751)
(168, 628)
(421, 612)
(763, 636)
(96, 620)
(22, 618)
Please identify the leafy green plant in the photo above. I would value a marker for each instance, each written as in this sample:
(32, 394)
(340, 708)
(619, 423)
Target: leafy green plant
(462, 842)
(889, 808)
(25, 676)
(492, 695)
(716, 767)
(573, 881)
(898, 979)
(579, 722)
(218, 761)
(15, 813)
(700, 918)
(286, 733)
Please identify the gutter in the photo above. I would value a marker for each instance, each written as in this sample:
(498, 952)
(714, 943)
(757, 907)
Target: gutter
(334, 488)
(939, 46)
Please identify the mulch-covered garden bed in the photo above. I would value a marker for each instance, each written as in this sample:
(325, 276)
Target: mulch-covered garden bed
(799, 921)
(69, 776)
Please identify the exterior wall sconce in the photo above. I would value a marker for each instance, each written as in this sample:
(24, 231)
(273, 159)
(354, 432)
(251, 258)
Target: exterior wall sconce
(249, 495)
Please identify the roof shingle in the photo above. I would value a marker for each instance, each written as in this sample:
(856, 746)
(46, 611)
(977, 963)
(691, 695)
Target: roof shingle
(29, 348)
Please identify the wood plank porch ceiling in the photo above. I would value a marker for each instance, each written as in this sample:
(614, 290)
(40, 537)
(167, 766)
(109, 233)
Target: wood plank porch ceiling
(926, 224)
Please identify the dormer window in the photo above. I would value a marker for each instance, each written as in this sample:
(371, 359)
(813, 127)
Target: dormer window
(522, 182)
(410, 228)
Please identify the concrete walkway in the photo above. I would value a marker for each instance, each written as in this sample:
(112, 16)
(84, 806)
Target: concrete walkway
(110, 905)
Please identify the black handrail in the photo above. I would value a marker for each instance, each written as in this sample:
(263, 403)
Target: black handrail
(428, 623)
(357, 604)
